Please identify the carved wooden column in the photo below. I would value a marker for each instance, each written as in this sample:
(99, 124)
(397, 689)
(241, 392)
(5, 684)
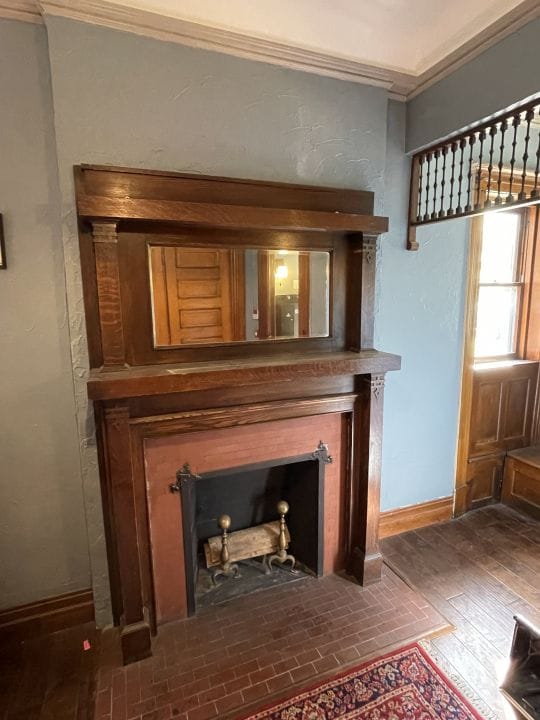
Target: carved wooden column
(366, 560)
(361, 292)
(135, 632)
(108, 290)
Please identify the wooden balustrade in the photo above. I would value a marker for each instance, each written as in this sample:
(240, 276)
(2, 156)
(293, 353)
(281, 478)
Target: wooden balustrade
(492, 166)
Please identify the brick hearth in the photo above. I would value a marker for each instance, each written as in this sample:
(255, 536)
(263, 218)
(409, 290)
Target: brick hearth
(224, 660)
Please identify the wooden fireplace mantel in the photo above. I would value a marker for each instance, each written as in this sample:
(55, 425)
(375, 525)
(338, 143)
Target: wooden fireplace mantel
(166, 379)
(142, 392)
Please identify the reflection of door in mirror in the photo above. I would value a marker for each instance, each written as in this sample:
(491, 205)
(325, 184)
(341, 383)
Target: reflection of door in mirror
(223, 294)
(198, 295)
(284, 293)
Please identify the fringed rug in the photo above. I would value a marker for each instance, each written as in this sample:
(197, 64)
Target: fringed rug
(403, 685)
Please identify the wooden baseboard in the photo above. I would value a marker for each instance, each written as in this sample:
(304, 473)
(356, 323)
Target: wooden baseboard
(46, 616)
(412, 517)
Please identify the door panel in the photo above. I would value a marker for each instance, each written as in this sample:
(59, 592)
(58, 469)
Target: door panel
(199, 309)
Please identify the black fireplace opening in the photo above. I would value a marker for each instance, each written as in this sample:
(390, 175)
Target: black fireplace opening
(249, 495)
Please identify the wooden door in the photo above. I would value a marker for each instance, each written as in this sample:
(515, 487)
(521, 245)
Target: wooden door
(195, 298)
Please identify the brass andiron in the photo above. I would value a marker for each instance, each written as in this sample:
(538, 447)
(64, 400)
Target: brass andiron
(226, 568)
(282, 556)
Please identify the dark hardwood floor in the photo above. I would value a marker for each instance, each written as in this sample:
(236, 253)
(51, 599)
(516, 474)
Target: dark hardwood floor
(50, 677)
(478, 571)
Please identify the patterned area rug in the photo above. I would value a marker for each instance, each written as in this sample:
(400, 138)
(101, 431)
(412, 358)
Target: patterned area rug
(403, 685)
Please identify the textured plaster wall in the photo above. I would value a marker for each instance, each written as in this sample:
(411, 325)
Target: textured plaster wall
(502, 75)
(420, 310)
(43, 546)
(125, 100)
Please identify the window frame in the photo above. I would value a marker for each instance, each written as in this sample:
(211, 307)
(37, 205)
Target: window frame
(520, 284)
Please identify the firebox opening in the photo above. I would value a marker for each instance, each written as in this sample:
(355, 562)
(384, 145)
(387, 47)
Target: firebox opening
(249, 495)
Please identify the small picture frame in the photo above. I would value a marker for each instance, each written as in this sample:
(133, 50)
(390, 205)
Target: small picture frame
(3, 261)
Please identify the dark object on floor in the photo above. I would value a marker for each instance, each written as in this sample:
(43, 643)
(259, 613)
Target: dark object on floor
(404, 683)
(522, 682)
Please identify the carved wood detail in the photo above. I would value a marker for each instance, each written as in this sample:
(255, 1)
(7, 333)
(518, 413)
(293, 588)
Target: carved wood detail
(366, 559)
(105, 240)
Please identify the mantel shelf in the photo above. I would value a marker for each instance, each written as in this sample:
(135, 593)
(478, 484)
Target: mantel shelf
(228, 216)
(105, 384)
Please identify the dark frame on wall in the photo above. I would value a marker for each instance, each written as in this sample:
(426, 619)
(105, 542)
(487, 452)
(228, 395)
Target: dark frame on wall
(3, 260)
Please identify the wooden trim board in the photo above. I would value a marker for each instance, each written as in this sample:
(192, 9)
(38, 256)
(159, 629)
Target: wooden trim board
(412, 517)
(46, 616)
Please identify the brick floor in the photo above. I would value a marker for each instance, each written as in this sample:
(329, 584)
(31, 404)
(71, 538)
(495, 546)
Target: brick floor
(240, 655)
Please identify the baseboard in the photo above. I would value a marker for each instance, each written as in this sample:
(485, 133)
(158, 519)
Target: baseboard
(46, 616)
(412, 517)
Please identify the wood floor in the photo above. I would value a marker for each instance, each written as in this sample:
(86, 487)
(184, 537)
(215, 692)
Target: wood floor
(50, 677)
(478, 571)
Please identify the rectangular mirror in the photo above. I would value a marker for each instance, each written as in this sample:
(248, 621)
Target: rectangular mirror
(204, 295)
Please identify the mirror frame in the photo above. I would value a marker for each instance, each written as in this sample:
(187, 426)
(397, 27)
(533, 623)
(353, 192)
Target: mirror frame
(136, 292)
(121, 209)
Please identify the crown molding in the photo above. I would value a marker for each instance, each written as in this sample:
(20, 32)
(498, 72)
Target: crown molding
(400, 85)
(26, 10)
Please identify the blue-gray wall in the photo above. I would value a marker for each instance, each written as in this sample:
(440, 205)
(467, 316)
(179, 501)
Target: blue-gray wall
(420, 309)
(126, 100)
(502, 75)
(43, 541)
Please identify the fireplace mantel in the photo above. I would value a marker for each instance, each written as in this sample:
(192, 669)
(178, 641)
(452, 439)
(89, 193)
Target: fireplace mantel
(166, 379)
(147, 396)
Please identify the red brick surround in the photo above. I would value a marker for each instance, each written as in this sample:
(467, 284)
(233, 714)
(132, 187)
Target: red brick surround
(232, 447)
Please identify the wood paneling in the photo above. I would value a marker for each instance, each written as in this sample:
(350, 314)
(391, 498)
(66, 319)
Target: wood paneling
(413, 517)
(503, 401)
(46, 616)
(521, 485)
(484, 479)
(503, 398)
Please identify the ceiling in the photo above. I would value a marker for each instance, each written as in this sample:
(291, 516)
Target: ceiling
(400, 44)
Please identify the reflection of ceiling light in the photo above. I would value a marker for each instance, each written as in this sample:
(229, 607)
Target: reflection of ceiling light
(281, 270)
(282, 252)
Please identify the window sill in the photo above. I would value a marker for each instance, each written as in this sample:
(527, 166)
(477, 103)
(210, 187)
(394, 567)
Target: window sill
(497, 364)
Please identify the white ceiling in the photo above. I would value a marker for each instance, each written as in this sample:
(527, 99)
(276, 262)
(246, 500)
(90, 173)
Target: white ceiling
(405, 35)
(402, 45)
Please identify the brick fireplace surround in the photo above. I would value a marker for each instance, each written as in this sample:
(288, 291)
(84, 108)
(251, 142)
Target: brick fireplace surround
(222, 449)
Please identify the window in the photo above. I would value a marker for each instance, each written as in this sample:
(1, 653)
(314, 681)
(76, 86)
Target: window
(500, 287)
